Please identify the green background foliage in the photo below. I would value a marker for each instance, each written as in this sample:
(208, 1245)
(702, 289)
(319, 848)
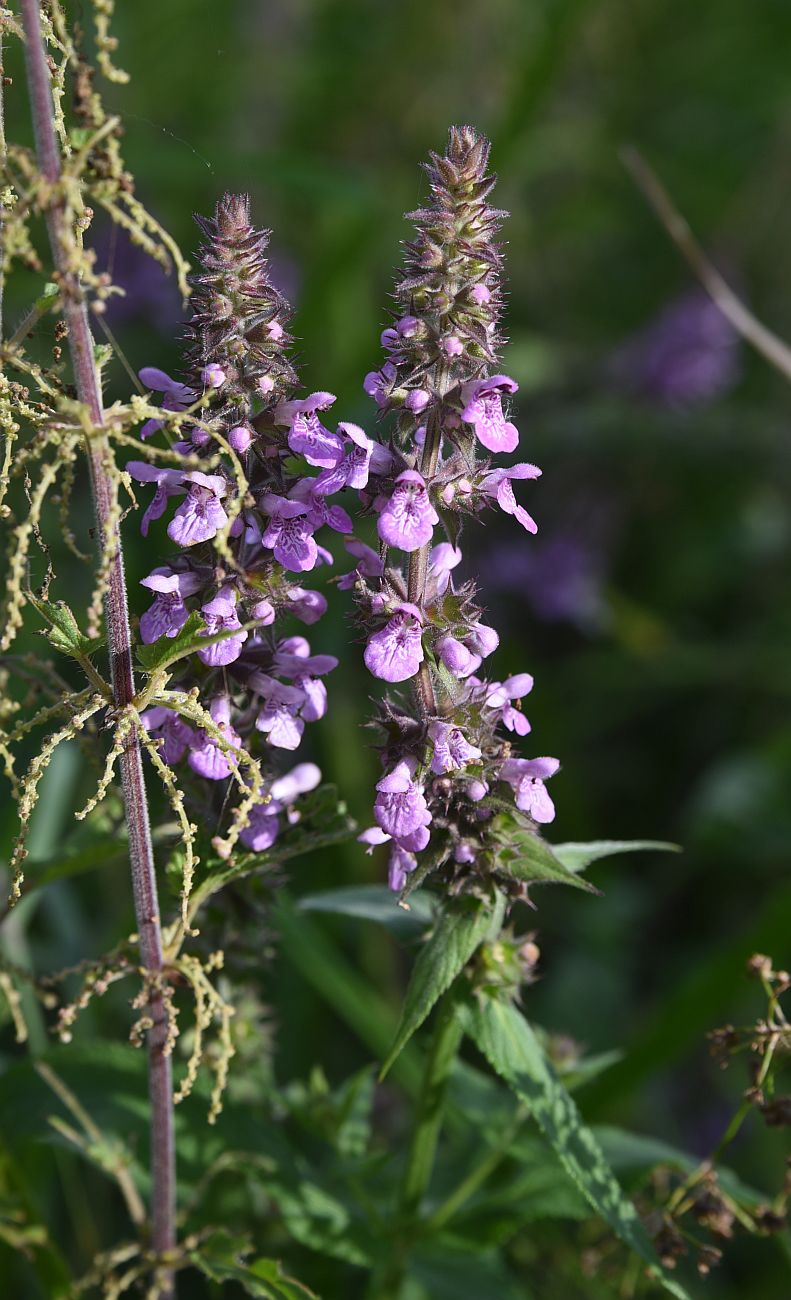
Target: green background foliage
(668, 708)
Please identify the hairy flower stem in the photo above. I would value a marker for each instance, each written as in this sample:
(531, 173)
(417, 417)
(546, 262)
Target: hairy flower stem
(141, 856)
(419, 560)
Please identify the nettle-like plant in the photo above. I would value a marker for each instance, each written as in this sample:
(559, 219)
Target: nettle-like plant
(204, 707)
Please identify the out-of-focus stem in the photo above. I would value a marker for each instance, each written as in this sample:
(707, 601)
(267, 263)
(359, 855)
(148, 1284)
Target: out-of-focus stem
(141, 857)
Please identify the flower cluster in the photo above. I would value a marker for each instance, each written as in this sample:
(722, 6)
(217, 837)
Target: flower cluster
(245, 525)
(446, 751)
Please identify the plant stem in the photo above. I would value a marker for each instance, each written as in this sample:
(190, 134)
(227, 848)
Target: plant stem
(387, 1279)
(141, 857)
(419, 560)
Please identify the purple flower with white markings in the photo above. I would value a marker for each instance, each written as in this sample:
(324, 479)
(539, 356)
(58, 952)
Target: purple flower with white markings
(289, 533)
(527, 776)
(369, 564)
(168, 614)
(307, 436)
(201, 516)
(497, 485)
(352, 468)
(499, 697)
(400, 808)
(483, 409)
(395, 653)
(408, 519)
(452, 750)
(220, 615)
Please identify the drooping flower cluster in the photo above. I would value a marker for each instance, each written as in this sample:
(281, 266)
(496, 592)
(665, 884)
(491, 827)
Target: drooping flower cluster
(446, 751)
(245, 525)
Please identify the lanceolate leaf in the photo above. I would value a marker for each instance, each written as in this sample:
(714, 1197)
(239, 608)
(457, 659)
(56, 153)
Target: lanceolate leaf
(512, 1049)
(576, 857)
(192, 637)
(521, 854)
(373, 903)
(460, 930)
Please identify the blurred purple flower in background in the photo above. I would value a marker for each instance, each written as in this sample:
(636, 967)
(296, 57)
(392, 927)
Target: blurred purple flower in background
(687, 355)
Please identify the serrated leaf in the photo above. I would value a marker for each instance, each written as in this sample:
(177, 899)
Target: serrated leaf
(507, 1041)
(630, 1152)
(576, 857)
(64, 632)
(222, 1260)
(373, 903)
(168, 650)
(461, 928)
(522, 854)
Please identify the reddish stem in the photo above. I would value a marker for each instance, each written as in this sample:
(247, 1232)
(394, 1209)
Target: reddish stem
(141, 857)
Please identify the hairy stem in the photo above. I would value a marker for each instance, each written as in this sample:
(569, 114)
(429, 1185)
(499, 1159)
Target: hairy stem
(419, 560)
(144, 885)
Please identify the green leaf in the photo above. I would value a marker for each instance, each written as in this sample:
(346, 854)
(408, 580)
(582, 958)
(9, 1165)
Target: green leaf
(222, 1259)
(48, 297)
(633, 1152)
(449, 1273)
(576, 857)
(461, 928)
(169, 649)
(519, 853)
(64, 633)
(373, 903)
(512, 1049)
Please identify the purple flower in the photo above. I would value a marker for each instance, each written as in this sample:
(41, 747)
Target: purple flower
(456, 657)
(207, 758)
(220, 615)
(408, 519)
(400, 808)
(175, 396)
(480, 294)
(263, 611)
(289, 533)
(499, 696)
(396, 652)
(300, 780)
(307, 606)
(401, 864)
(263, 827)
(688, 355)
(173, 731)
(482, 640)
(168, 614)
(483, 408)
(527, 777)
(280, 718)
(352, 468)
(319, 512)
(240, 438)
(379, 384)
(451, 748)
(169, 483)
(417, 400)
(201, 515)
(292, 658)
(213, 376)
(497, 484)
(369, 564)
(307, 436)
(442, 558)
